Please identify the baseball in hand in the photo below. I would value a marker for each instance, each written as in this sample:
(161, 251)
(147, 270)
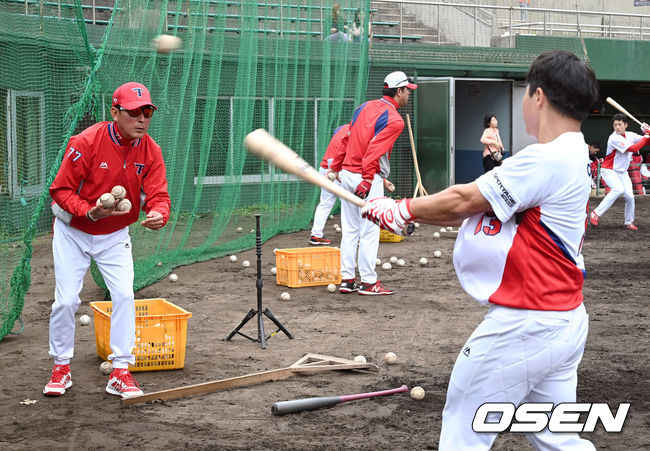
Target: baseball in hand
(423, 261)
(107, 200)
(84, 320)
(331, 288)
(417, 393)
(173, 277)
(106, 367)
(285, 296)
(437, 254)
(233, 258)
(331, 176)
(118, 192)
(390, 358)
(360, 359)
(165, 43)
(124, 205)
(245, 263)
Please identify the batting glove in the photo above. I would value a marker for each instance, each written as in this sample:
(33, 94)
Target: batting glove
(389, 214)
(363, 189)
(645, 128)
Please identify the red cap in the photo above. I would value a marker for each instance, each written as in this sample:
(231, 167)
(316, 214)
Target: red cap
(132, 95)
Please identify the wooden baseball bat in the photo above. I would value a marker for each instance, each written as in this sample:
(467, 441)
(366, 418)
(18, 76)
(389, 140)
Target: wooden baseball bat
(616, 105)
(265, 146)
(300, 405)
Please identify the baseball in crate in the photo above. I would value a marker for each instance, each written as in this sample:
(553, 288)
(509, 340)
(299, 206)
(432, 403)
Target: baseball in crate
(109, 172)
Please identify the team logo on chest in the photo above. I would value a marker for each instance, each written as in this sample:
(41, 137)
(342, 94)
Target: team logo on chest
(103, 165)
(139, 168)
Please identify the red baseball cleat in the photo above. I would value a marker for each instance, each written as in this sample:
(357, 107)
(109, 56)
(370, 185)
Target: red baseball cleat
(374, 289)
(593, 219)
(317, 241)
(631, 226)
(60, 380)
(121, 383)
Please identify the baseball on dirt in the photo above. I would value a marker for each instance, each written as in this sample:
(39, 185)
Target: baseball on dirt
(338, 230)
(106, 367)
(436, 234)
(274, 270)
(360, 359)
(331, 288)
(166, 43)
(233, 258)
(450, 228)
(124, 205)
(252, 230)
(417, 225)
(239, 230)
(390, 358)
(417, 393)
(118, 192)
(393, 259)
(423, 261)
(377, 262)
(401, 262)
(285, 296)
(437, 254)
(245, 263)
(386, 266)
(107, 200)
(443, 230)
(159, 264)
(331, 176)
(173, 277)
(331, 216)
(84, 320)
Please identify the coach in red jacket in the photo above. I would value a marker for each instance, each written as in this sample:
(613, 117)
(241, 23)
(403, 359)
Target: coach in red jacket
(363, 162)
(103, 156)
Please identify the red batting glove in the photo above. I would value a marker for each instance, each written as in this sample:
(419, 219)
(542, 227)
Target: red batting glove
(389, 214)
(363, 189)
(645, 128)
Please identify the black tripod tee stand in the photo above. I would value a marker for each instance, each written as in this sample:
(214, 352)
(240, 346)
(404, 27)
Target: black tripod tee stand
(261, 335)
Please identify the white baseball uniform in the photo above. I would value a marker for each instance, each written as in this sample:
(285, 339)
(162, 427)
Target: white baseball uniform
(327, 201)
(614, 171)
(525, 261)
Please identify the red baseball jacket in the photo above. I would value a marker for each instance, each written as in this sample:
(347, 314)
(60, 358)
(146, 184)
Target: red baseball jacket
(98, 159)
(334, 145)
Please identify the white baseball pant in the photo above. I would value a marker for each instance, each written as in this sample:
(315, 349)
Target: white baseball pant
(619, 184)
(515, 356)
(359, 232)
(73, 250)
(327, 201)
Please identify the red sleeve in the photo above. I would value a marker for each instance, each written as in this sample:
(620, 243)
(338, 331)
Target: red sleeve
(378, 146)
(638, 145)
(154, 186)
(73, 171)
(339, 154)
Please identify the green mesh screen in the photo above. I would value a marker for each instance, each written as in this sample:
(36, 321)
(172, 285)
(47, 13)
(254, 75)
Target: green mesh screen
(243, 65)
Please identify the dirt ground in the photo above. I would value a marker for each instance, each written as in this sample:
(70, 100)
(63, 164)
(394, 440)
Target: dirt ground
(425, 323)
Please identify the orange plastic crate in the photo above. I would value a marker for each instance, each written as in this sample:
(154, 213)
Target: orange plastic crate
(160, 333)
(388, 237)
(308, 266)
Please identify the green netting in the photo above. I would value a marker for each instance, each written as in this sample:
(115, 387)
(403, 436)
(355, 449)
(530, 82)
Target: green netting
(243, 65)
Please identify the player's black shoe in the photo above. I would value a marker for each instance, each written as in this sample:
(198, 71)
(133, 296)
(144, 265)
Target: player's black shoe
(348, 286)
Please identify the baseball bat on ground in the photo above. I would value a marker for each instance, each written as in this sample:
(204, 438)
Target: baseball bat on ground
(300, 405)
(616, 105)
(265, 146)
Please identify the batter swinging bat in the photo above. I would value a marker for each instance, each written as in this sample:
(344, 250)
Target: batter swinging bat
(265, 146)
(616, 105)
(300, 405)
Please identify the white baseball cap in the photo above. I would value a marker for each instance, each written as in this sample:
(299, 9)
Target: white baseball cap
(398, 80)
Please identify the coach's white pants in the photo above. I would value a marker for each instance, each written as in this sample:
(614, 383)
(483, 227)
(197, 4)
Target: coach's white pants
(327, 201)
(515, 356)
(73, 250)
(358, 231)
(619, 184)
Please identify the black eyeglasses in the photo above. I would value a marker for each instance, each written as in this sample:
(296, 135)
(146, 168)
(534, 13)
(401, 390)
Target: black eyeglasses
(146, 110)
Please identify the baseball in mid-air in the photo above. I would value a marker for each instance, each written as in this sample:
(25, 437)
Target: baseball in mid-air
(118, 192)
(106, 367)
(437, 254)
(124, 205)
(331, 288)
(393, 259)
(390, 358)
(436, 234)
(107, 200)
(84, 320)
(401, 262)
(233, 258)
(274, 270)
(360, 359)
(166, 43)
(245, 263)
(423, 261)
(386, 266)
(173, 277)
(331, 176)
(417, 393)
(285, 296)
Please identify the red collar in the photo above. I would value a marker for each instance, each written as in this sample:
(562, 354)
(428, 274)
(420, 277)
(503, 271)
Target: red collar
(391, 100)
